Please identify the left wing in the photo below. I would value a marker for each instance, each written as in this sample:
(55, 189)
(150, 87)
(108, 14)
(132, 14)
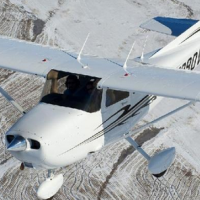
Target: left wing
(156, 81)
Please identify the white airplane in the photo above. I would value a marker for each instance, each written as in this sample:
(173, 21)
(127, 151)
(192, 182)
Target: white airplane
(103, 100)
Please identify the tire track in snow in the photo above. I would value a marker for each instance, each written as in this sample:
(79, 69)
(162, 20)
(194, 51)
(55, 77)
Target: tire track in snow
(188, 8)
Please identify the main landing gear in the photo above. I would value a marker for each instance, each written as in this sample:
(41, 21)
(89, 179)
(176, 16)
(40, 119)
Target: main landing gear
(160, 162)
(50, 186)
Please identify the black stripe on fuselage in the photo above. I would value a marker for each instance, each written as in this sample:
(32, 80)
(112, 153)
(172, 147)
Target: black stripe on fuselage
(147, 100)
(132, 112)
(195, 32)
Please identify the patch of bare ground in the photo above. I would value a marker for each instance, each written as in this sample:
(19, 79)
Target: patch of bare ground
(187, 7)
(142, 138)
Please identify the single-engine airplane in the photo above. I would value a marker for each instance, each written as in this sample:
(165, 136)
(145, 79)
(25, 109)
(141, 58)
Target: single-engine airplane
(89, 102)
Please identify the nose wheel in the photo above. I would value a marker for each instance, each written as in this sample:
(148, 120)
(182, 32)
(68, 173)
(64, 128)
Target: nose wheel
(50, 186)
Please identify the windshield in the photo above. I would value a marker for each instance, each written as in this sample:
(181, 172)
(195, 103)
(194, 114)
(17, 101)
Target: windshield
(74, 91)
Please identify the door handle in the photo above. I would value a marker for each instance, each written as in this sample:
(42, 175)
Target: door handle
(125, 102)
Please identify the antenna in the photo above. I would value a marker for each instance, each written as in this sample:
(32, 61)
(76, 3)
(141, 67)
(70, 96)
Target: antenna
(79, 55)
(142, 56)
(125, 66)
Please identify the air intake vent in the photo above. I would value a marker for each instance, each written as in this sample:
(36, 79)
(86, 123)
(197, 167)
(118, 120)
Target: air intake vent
(34, 144)
(10, 138)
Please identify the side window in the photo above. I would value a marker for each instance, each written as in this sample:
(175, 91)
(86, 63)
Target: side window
(113, 96)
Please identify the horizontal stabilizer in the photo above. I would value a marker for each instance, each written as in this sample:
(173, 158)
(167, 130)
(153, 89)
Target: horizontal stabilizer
(169, 26)
(156, 81)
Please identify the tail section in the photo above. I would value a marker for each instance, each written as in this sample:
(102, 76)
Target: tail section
(183, 52)
(169, 26)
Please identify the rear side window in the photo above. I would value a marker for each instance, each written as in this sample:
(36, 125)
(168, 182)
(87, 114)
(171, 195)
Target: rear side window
(114, 96)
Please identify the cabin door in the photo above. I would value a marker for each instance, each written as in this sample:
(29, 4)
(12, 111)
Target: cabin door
(115, 113)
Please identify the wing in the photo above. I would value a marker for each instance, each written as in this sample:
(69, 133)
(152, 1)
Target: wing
(169, 26)
(36, 59)
(156, 81)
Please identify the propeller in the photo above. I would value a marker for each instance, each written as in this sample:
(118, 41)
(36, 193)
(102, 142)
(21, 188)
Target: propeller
(17, 144)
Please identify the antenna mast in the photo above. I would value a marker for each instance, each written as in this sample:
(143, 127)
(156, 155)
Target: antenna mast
(125, 64)
(142, 56)
(79, 55)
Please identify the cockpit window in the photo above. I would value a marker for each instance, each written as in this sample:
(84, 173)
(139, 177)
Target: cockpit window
(74, 91)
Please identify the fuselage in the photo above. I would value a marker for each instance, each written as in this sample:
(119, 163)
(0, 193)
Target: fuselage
(67, 135)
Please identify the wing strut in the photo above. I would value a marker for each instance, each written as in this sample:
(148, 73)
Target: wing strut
(12, 101)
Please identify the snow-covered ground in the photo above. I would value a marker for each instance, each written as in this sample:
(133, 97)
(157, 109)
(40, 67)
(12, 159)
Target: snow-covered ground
(115, 172)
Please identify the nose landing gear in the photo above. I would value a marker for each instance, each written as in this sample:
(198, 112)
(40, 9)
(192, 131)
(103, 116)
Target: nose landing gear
(50, 186)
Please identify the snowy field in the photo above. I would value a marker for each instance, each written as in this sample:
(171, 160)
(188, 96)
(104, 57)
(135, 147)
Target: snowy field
(116, 172)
